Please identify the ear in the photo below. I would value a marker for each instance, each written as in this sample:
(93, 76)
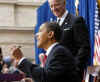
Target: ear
(51, 34)
(98, 3)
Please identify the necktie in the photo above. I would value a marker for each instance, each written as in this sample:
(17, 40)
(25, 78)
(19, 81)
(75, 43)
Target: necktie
(58, 21)
(42, 58)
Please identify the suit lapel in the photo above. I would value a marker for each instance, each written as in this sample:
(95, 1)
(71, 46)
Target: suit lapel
(66, 19)
(67, 23)
(21, 64)
(50, 55)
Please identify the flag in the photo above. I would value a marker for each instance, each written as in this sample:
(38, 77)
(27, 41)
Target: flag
(96, 58)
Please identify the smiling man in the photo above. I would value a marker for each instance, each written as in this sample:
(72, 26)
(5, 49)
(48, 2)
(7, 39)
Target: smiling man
(75, 33)
(60, 64)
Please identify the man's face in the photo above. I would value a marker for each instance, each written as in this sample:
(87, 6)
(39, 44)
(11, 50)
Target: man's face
(58, 8)
(42, 37)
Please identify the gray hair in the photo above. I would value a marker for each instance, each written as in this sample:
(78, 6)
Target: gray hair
(60, 1)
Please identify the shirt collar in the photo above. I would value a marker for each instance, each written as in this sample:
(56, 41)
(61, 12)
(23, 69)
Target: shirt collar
(62, 18)
(50, 48)
(21, 60)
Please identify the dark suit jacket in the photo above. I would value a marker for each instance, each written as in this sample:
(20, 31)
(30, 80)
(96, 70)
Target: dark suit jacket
(1, 66)
(24, 66)
(60, 66)
(76, 38)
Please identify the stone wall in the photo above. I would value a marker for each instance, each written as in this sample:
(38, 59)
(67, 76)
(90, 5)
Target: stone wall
(17, 23)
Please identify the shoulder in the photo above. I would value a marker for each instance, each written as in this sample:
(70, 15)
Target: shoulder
(60, 52)
(61, 49)
(79, 22)
(79, 19)
(76, 18)
(25, 61)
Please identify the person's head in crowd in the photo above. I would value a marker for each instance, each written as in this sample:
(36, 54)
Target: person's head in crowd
(48, 34)
(58, 7)
(17, 54)
(5, 69)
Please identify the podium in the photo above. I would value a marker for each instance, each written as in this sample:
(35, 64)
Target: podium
(11, 77)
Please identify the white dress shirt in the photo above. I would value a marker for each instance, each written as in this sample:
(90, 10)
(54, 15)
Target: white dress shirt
(50, 48)
(62, 18)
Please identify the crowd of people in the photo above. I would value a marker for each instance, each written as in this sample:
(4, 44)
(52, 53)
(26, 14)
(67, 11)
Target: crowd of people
(67, 47)
(16, 63)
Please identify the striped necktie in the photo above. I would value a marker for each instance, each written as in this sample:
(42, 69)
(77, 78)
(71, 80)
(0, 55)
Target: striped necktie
(42, 58)
(59, 21)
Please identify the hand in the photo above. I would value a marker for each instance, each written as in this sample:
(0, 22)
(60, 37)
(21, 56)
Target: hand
(27, 80)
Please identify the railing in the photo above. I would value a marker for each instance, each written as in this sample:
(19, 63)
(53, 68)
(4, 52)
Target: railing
(11, 77)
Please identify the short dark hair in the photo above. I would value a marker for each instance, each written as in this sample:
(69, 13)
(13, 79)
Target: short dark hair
(60, 1)
(54, 26)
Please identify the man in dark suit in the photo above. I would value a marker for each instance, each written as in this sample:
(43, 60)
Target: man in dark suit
(60, 64)
(22, 63)
(75, 33)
